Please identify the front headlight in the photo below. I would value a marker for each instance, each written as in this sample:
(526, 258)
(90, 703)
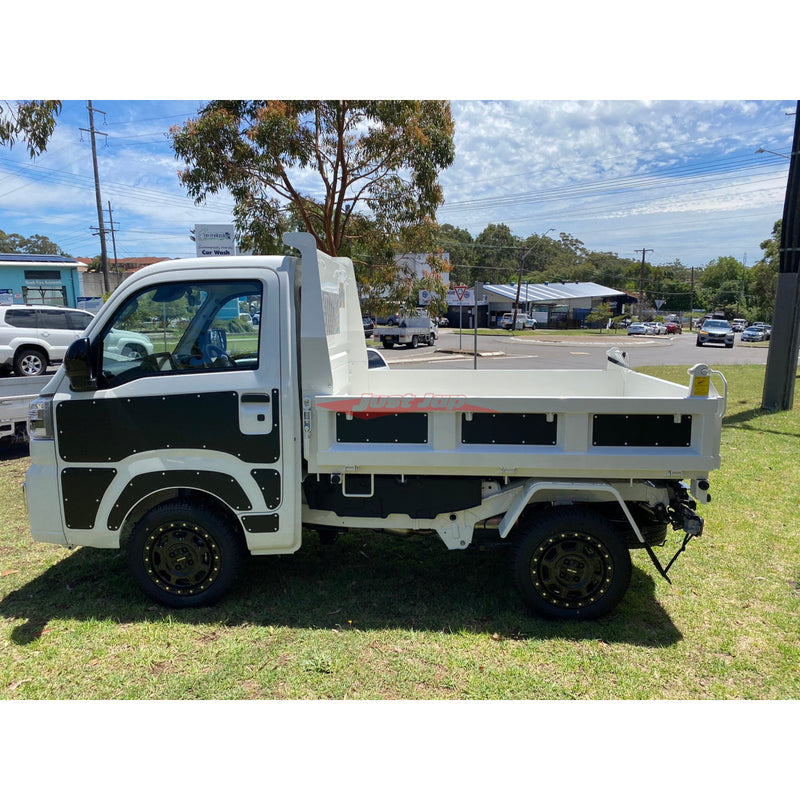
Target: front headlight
(40, 418)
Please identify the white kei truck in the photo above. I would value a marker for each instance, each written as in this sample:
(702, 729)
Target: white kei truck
(219, 444)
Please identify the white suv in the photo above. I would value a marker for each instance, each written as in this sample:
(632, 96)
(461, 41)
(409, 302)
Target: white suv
(33, 337)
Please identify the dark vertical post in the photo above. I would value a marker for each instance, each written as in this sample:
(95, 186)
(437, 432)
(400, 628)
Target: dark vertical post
(784, 344)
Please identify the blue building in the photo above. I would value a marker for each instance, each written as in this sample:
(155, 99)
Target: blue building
(39, 280)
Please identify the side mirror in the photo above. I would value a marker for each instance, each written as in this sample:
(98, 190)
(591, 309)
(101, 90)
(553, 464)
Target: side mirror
(78, 366)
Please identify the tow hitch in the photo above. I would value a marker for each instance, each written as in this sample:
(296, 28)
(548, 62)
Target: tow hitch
(683, 517)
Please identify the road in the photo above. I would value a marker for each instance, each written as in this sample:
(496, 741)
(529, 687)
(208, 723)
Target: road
(569, 352)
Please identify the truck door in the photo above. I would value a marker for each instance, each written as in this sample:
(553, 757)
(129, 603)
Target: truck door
(197, 415)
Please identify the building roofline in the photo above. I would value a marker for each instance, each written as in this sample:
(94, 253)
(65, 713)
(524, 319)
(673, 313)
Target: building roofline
(26, 258)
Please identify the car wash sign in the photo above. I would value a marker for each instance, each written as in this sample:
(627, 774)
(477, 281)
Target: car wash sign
(214, 240)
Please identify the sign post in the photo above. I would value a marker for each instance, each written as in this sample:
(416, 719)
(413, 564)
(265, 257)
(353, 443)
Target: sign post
(460, 290)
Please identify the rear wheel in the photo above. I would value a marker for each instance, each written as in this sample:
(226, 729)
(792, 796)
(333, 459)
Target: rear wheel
(387, 344)
(412, 345)
(29, 362)
(185, 555)
(571, 564)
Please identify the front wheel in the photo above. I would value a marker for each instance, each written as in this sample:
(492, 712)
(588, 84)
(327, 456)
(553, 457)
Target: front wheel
(185, 555)
(571, 564)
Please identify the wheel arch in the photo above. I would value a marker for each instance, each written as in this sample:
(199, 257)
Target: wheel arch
(574, 492)
(135, 507)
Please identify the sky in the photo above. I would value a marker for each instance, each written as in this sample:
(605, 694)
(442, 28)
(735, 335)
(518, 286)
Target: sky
(680, 179)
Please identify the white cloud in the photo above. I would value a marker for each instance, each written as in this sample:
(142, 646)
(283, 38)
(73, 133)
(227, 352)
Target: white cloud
(596, 164)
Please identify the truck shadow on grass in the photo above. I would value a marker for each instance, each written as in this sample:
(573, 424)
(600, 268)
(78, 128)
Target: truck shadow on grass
(365, 581)
(743, 419)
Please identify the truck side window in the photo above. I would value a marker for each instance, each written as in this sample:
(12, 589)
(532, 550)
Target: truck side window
(183, 327)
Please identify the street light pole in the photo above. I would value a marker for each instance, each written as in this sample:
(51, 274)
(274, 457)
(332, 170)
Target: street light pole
(772, 152)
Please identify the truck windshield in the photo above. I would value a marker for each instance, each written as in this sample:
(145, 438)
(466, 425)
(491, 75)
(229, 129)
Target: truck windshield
(183, 327)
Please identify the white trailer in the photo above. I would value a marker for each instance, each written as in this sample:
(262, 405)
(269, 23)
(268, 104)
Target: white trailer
(218, 447)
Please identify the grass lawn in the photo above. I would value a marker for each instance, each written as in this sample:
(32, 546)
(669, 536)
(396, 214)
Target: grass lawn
(381, 617)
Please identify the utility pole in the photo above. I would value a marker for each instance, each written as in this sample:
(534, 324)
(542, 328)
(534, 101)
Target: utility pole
(784, 344)
(523, 254)
(113, 241)
(103, 254)
(643, 251)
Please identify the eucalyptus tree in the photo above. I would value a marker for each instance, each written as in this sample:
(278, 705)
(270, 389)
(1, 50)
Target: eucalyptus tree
(360, 176)
(28, 121)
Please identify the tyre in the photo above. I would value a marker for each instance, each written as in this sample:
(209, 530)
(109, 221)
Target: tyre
(29, 362)
(413, 344)
(699, 343)
(387, 344)
(134, 351)
(185, 555)
(571, 564)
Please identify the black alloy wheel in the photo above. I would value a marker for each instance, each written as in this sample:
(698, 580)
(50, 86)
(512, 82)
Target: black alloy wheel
(185, 555)
(571, 564)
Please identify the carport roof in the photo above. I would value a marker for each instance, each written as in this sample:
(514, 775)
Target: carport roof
(551, 292)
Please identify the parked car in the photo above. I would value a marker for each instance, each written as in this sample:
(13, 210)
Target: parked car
(715, 331)
(375, 359)
(657, 328)
(523, 321)
(128, 344)
(738, 325)
(638, 329)
(674, 327)
(767, 329)
(753, 334)
(369, 326)
(34, 337)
